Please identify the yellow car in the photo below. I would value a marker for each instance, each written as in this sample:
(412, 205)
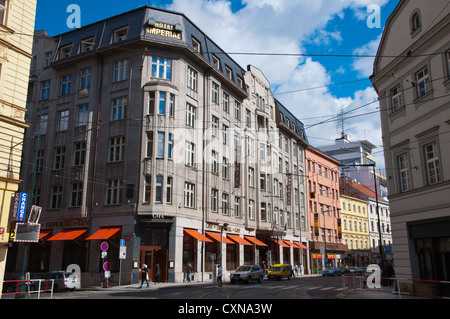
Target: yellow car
(279, 271)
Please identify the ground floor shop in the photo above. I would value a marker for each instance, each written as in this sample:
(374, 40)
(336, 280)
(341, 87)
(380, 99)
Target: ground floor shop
(182, 248)
(324, 255)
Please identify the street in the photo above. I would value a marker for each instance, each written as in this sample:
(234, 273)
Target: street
(297, 288)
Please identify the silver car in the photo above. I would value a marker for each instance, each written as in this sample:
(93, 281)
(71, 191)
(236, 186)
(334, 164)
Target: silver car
(247, 273)
(62, 281)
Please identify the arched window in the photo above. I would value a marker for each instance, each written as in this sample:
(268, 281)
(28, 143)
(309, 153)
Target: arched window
(415, 21)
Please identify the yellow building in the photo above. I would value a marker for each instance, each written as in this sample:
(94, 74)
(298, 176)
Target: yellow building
(354, 223)
(17, 19)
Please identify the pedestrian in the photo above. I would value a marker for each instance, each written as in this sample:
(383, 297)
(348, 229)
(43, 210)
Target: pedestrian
(189, 270)
(301, 270)
(389, 273)
(219, 275)
(144, 275)
(157, 273)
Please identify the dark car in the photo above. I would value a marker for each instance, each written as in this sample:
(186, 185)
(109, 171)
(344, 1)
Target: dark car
(331, 272)
(352, 271)
(10, 284)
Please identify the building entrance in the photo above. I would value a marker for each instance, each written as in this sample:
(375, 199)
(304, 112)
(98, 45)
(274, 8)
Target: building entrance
(151, 256)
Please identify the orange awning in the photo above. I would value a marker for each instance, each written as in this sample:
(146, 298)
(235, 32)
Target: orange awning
(290, 244)
(104, 233)
(216, 236)
(255, 240)
(68, 234)
(279, 242)
(239, 240)
(197, 235)
(44, 233)
(300, 245)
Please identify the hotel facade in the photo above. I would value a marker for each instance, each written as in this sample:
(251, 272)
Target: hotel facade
(149, 136)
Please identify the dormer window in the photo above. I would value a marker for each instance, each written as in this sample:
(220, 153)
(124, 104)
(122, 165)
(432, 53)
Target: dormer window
(229, 73)
(216, 62)
(87, 45)
(196, 46)
(120, 34)
(65, 51)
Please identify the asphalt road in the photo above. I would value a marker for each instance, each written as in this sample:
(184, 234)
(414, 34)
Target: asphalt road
(297, 288)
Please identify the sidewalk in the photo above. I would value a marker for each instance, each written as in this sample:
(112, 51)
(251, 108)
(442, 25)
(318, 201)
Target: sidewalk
(383, 293)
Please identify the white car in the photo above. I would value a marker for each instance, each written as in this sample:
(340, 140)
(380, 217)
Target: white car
(247, 273)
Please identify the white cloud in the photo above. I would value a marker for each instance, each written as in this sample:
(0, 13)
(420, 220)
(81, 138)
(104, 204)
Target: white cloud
(279, 26)
(364, 65)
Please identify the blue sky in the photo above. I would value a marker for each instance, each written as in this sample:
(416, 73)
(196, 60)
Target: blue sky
(325, 27)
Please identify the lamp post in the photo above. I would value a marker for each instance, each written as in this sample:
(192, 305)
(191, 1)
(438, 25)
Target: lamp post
(221, 240)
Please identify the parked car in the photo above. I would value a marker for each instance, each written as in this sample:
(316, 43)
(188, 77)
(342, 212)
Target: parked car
(63, 280)
(332, 272)
(279, 271)
(352, 271)
(247, 273)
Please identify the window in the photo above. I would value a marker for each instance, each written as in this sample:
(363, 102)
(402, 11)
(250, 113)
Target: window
(190, 115)
(159, 189)
(415, 21)
(60, 155)
(403, 172)
(192, 76)
(65, 51)
(56, 197)
(48, 59)
(216, 62)
(120, 35)
(189, 195)
(43, 124)
(263, 212)
(113, 192)
(85, 78)
(196, 46)
(422, 82)
(45, 90)
(396, 98)
(66, 83)
(118, 109)
(2, 11)
(237, 207)
(237, 110)
(160, 146)
(170, 146)
(171, 104)
(229, 72)
(214, 126)
(225, 203)
(83, 115)
(215, 92)
(225, 168)
(147, 189)
(151, 102)
(226, 102)
(162, 103)
(248, 118)
(224, 133)
(161, 68)
(76, 194)
(116, 149)
(251, 209)
(214, 200)
(251, 177)
(40, 160)
(149, 144)
(214, 164)
(87, 44)
(79, 153)
(120, 72)
(189, 153)
(63, 120)
(169, 190)
(432, 163)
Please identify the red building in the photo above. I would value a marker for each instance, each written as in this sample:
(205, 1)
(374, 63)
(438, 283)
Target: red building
(323, 210)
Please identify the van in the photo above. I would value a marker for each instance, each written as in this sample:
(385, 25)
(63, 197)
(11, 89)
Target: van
(279, 271)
